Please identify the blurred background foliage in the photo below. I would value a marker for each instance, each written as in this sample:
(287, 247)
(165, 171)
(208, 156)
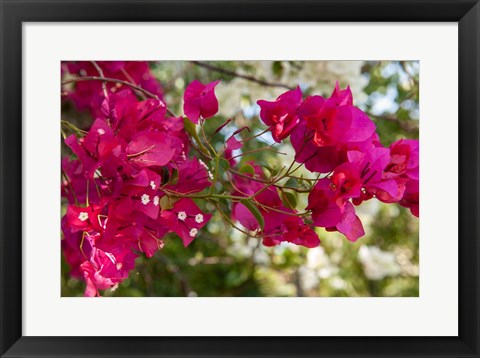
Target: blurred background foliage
(223, 261)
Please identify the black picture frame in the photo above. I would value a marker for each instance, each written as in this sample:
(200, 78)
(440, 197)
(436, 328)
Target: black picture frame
(15, 12)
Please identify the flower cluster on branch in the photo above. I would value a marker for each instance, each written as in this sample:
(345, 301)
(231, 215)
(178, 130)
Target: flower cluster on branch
(140, 172)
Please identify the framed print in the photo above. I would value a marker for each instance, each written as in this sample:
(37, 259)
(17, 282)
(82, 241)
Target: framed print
(239, 179)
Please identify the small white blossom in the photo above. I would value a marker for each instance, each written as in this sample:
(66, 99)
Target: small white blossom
(119, 266)
(100, 131)
(145, 199)
(199, 218)
(152, 185)
(210, 174)
(193, 232)
(156, 200)
(83, 216)
(182, 215)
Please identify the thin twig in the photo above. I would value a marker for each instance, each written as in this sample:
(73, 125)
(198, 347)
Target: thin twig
(406, 126)
(239, 75)
(109, 79)
(114, 80)
(100, 72)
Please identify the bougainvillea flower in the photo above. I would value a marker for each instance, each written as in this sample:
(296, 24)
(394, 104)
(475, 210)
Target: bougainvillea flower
(138, 233)
(95, 281)
(341, 97)
(280, 226)
(228, 155)
(322, 201)
(233, 143)
(200, 100)
(328, 128)
(151, 112)
(88, 95)
(89, 163)
(388, 191)
(72, 248)
(411, 197)
(150, 149)
(281, 115)
(246, 187)
(192, 176)
(334, 123)
(349, 224)
(299, 233)
(371, 162)
(99, 139)
(84, 218)
(116, 263)
(143, 192)
(346, 181)
(404, 159)
(148, 202)
(135, 154)
(332, 214)
(280, 223)
(245, 217)
(322, 159)
(74, 185)
(185, 219)
(96, 148)
(316, 159)
(149, 243)
(106, 269)
(120, 111)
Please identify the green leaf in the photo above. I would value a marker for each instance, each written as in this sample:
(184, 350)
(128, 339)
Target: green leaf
(255, 212)
(247, 169)
(291, 182)
(173, 178)
(273, 171)
(167, 202)
(165, 175)
(224, 164)
(289, 199)
(268, 169)
(277, 68)
(191, 129)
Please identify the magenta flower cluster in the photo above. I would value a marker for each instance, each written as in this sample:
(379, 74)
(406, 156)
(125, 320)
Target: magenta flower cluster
(332, 136)
(116, 186)
(133, 177)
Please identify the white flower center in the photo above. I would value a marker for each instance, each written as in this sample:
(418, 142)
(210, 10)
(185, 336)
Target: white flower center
(199, 218)
(83, 216)
(119, 266)
(145, 199)
(156, 200)
(152, 185)
(193, 232)
(100, 131)
(182, 215)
